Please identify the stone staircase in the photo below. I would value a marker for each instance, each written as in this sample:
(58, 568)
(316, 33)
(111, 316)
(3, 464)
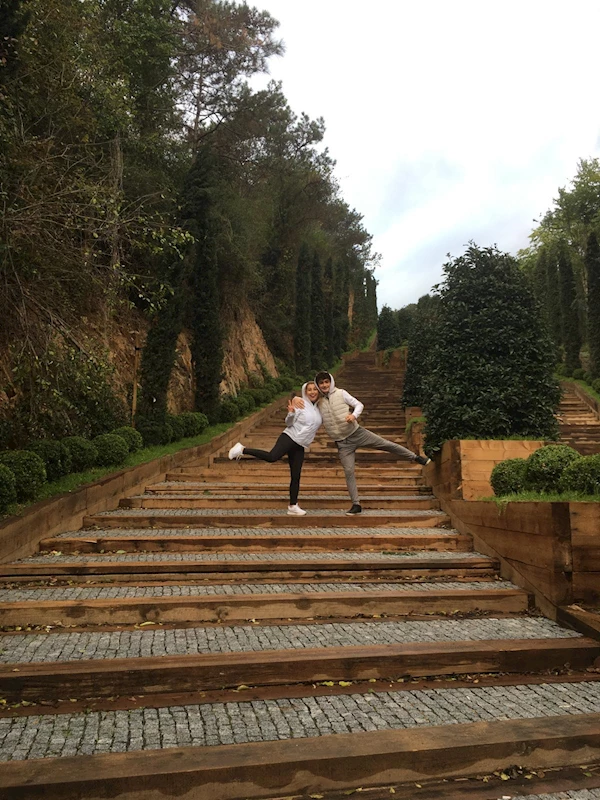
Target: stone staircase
(197, 642)
(579, 426)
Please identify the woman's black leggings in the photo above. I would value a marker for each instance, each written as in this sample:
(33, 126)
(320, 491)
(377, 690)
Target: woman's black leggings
(284, 446)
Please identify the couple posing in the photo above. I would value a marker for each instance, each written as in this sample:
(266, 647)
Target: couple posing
(323, 403)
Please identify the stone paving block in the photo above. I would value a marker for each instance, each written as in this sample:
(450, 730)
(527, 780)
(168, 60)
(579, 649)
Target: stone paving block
(85, 645)
(229, 723)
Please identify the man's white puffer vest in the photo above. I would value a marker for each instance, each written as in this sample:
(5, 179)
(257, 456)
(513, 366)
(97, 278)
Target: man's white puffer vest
(334, 411)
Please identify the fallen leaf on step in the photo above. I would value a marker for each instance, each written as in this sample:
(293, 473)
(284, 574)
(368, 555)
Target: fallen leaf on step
(345, 683)
(143, 624)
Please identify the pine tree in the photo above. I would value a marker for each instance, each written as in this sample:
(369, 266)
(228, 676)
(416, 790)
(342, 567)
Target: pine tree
(302, 318)
(571, 336)
(490, 374)
(388, 334)
(329, 329)
(592, 266)
(317, 315)
(371, 298)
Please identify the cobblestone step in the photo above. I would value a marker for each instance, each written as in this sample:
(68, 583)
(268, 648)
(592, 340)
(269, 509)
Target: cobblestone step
(260, 501)
(233, 488)
(142, 518)
(162, 675)
(261, 539)
(283, 605)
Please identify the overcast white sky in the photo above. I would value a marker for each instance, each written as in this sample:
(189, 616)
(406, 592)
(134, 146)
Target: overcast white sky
(450, 120)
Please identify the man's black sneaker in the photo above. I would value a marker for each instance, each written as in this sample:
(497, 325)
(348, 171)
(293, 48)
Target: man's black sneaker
(356, 509)
(422, 460)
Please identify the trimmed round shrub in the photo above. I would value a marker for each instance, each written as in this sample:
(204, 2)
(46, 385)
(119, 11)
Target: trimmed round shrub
(29, 471)
(229, 410)
(133, 438)
(244, 403)
(112, 450)
(508, 477)
(582, 475)
(55, 455)
(193, 422)
(83, 453)
(578, 374)
(587, 377)
(154, 433)
(8, 488)
(261, 396)
(596, 385)
(546, 466)
(177, 426)
(248, 399)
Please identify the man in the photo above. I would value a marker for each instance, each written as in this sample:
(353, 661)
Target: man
(340, 412)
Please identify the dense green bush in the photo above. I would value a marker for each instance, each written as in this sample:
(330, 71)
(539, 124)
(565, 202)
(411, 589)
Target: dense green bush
(261, 396)
(579, 374)
(83, 453)
(55, 455)
(245, 404)
(112, 450)
(230, 410)
(8, 490)
(508, 477)
(587, 377)
(546, 466)
(286, 383)
(154, 433)
(29, 471)
(582, 475)
(247, 399)
(490, 373)
(133, 438)
(596, 385)
(194, 423)
(177, 426)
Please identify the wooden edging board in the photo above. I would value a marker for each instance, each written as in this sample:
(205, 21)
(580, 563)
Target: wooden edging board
(205, 672)
(20, 536)
(294, 766)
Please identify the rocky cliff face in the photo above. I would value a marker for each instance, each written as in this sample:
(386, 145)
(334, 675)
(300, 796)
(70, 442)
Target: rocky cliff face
(244, 348)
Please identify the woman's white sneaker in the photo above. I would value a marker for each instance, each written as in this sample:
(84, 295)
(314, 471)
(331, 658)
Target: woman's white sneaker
(296, 511)
(236, 452)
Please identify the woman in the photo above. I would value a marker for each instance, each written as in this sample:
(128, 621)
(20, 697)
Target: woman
(301, 428)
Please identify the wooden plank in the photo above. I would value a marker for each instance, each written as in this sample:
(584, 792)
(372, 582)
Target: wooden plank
(196, 673)
(298, 766)
(233, 543)
(296, 605)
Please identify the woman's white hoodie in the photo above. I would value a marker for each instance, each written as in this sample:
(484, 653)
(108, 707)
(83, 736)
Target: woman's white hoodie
(302, 424)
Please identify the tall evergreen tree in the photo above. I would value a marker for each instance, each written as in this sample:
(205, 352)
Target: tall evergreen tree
(329, 329)
(491, 369)
(553, 308)
(207, 353)
(302, 318)
(317, 312)
(404, 317)
(340, 307)
(388, 334)
(423, 334)
(592, 266)
(371, 298)
(571, 335)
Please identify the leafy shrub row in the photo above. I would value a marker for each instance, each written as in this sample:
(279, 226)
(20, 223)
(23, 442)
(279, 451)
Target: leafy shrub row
(554, 468)
(23, 472)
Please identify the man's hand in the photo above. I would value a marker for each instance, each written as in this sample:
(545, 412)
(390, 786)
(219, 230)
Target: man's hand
(350, 418)
(298, 402)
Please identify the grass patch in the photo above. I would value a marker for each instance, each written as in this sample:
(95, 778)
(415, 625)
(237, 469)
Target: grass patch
(69, 483)
(413, 421)
(536, 497)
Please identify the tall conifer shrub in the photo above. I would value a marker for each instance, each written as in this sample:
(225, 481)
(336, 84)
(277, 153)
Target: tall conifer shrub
(491, 369)
(302, 319)
(571, 336)
(592, 266)
(329, 329)
(317, 312)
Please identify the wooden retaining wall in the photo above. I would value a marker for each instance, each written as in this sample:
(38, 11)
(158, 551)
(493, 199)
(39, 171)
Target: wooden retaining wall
(551, 549)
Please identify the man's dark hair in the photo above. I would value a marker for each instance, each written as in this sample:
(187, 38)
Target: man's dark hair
(322, 376)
